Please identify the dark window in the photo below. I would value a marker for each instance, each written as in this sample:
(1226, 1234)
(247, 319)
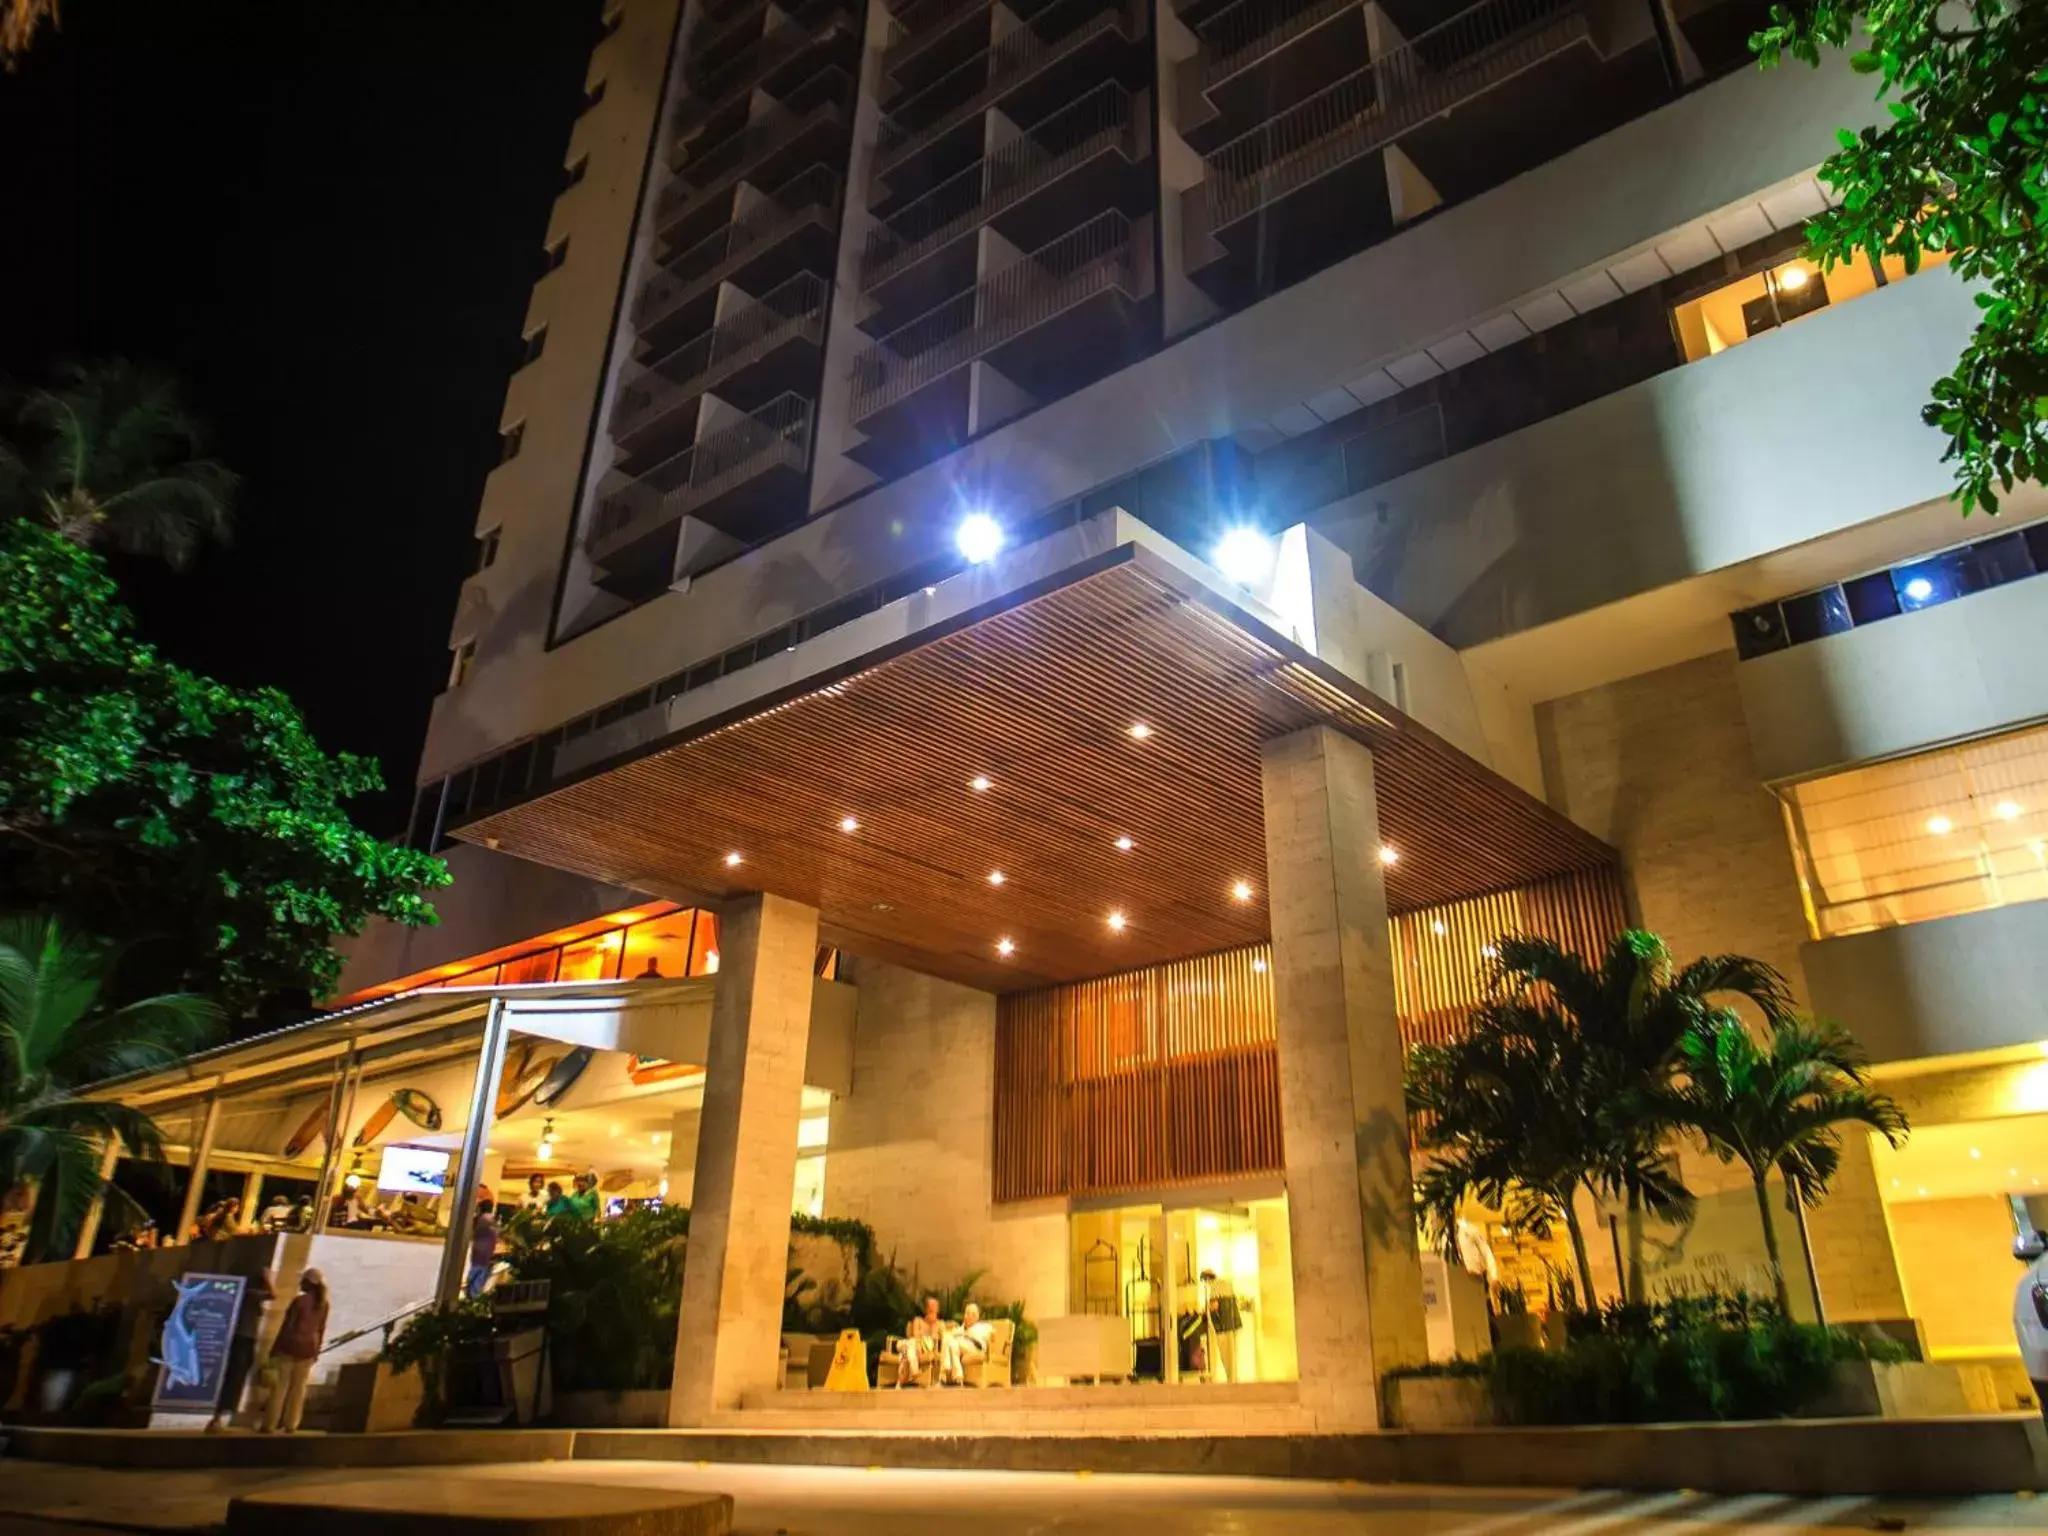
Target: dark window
(487, 549)
(1825, 612)
(536, 343)
(1759, 631)
(509, 439)
(575, 172)
(1394, 448)
(2005, 558)
(1871, 597)
(783, 639)
(519, 767)
(702, 673)
(1939, 580)
(669, 687)
(593, 96)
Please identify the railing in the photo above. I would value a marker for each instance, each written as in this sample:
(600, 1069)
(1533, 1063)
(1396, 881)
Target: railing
(810, 195)
(733, 81)
(1431, 73)
(1244, 32)
(383, 1325)
(777, 435)
(1041, 154)
(917, 23)
(714, 33)
(700, 178)
(1096, 256)
(794, 310)
(1007, 63)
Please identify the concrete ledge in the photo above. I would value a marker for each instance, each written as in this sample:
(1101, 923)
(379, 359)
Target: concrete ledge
(173, 1449)
(455, 1505)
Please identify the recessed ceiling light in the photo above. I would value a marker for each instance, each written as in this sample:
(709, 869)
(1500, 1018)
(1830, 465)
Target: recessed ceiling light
(1438, 928)
(1116, 922)
(980, 782)
(2007, 810)
(1124, 845)
(1140, 730)
(848, 824)
(1389, 854)
(732, 859)
(1258, 967)
(1489, 951)
(996, 877)
(1005, 947)
(1940, 826)
(1793, 278)
(1242, 890)
(1974, 1153)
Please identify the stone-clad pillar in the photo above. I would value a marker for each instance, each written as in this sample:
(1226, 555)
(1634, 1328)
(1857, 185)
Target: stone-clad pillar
(731, 1322)
(1357, 1272)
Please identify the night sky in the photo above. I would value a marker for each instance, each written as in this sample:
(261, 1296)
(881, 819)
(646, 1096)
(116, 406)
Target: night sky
(325, 221)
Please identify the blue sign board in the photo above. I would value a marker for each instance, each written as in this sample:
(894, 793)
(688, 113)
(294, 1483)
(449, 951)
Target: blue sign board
(192, 1355)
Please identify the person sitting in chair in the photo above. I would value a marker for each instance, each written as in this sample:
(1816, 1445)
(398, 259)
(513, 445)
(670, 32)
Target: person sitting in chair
(924, 1341)
(971, 1341)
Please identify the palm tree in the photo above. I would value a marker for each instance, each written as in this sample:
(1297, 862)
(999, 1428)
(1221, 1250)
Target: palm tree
(57, 1037)
(110, 459)
(1775, 1106)
(19, 20)
(1630, 1016)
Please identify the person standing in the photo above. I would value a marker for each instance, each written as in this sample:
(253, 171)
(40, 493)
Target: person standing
(483, 1247)
(2030, 1312)
(298, 1345)
(583, 1203)
(256, 1298)
(536, 1194)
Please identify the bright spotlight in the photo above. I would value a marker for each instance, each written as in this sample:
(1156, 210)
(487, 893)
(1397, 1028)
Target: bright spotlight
(978, 538)
(1244, 555)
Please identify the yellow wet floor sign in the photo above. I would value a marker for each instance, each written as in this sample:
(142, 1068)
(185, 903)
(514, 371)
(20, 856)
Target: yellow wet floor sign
(849, 1371)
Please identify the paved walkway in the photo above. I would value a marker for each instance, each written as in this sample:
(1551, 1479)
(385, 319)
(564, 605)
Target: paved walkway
(811, 1501)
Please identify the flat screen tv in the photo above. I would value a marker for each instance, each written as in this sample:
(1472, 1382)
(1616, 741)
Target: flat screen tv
(414, 1170)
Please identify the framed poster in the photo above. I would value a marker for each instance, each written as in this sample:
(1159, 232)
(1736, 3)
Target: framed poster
(193, 1351)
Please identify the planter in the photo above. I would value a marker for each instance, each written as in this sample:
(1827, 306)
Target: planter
(612, 1410)
(1518, 1330)
(1557, 1330)
(371, 1398)
(1440, 1402)
(1909, 1389)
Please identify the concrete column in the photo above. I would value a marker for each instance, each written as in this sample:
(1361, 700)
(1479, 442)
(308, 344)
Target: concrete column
(731, 1320)
(1350, 1202)
(469, 1167)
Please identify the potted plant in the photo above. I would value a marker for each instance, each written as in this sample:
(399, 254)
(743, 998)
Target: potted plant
(1453, 1394)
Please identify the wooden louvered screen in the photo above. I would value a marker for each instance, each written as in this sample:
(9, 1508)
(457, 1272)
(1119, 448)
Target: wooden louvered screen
(1171, 1075)
(1440, 953)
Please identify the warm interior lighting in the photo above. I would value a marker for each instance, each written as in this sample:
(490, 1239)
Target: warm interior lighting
(980, 782)
(1242, 890)
(1116, 922)
(731, 859)
(1389, 854)
(1258, 967)
(1124, 845)
(1919, 589)
(2007, 810)
(711, 962)
(1140, 730)
(1793, 278)
(979, 537)
(848, 824)
(1940, 826)
(1005, 947)
(1489, 951)
(1438, 928)
(996, 877)
(1244, 555)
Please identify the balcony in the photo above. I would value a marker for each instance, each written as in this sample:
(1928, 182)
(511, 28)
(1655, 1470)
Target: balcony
(755, 352)
(1064, 33)
(775, 144)
(812, 26)
(732, 479)
(1032, 320)
(752, 251)
(1427, 77)
(919, 30)
(1036, 185)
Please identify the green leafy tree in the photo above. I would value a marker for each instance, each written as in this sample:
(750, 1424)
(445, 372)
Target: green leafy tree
(1960, 166)
(110, 458)
(1774, 1107)
(58, 1034)
(143, 800)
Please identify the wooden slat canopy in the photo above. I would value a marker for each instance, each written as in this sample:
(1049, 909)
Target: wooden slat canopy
(1038, 698)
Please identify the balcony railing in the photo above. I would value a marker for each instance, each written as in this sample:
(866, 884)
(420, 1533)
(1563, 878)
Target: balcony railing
(778, 436)
(1099, 255)
(713, 170)
(812, 196)
(791, 311)
(1244, 32)
(1005, 65)
(917, 23)
(1041, 154)
(730, 84)
(1433, 72)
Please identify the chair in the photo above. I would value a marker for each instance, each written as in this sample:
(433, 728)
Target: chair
(887, 1368)
(993, 1369)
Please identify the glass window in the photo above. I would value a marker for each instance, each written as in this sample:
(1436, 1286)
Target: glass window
(1763, 301)
(1933, 835)
(658, 947)
(704, 945)
(592, 959)
(534, 967)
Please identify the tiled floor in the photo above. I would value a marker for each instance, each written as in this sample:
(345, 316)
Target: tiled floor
(811, 1501)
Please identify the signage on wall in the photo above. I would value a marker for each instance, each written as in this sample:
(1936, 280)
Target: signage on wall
(192, 1353)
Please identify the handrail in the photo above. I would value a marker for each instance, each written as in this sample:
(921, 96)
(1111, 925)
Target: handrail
(1007, 63)
(693, 186)
(1429, 74)
(1086, 260)
(907, 37)
(732, 81)
(1247, 30)
(805, 196)
(384, 1323)
(778, 433)
(1038, 155)
(793, 308)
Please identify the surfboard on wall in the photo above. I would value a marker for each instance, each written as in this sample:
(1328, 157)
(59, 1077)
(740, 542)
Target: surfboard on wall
(516, 1091)
(373, 1127)
(310, 1130)
(517, 1060)
(563, 1077)
(417, 1107)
